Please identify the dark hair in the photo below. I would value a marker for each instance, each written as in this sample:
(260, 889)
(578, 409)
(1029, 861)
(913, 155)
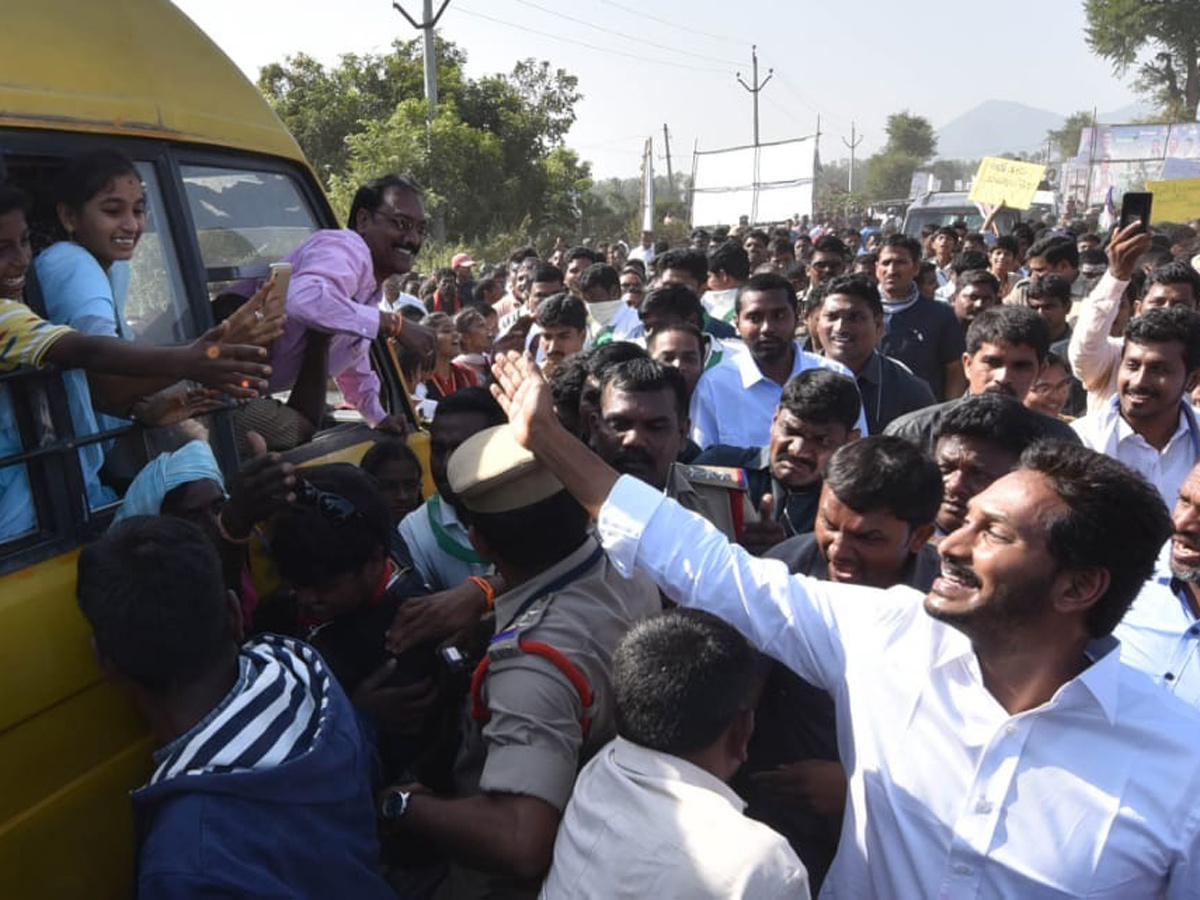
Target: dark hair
(599, 275)
(1176, 272)
(566, 387)
(1056, 287)
(1000, 420)
(315, 542)
(638, 265)
(561, 310)
(830, 243)
(581, 252)
(1174, 323)
(867, 259)
(473, 400)
(153, 591)
(599, 359)
(1011, 325)
(13, 199)
(765, 282)
(370, 195)
(1089, 236)
(886, 473)
(680, 679)
(537, 535)
(1056, 249)
(643, 375)
(850, 286)
(730, 258)
(673, 301)
(685, 327)
(781, 245)
(823, 397)
(521, 254)
(1006, 242)
(86, 174)
(903, 242)
(1154, 257)
(546, 273)
(977, 276)
(1115, 520)
(1093, 257)
(687, 259)
(969, 261)
(759, 235)
(387, 451)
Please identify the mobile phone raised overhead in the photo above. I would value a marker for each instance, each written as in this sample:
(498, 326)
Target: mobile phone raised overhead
(1135, 207)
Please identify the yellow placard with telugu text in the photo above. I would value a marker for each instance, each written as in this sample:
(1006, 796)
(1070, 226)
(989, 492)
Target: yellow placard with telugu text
(1177, 200)
(1008, 180)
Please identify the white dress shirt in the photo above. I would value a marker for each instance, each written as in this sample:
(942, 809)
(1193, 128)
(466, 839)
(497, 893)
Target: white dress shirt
(733, 404)
(645, 825)
(1106, 431)
(1093, 794)
(1160, 636)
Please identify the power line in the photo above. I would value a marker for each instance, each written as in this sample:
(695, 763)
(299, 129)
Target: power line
(676, 26)
(578, 43)
(621, 34)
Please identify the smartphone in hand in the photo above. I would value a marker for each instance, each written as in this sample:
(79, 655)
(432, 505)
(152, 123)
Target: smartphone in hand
(1135, 207)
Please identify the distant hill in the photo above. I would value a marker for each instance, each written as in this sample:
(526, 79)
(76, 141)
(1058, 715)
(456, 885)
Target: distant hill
(1001, 126)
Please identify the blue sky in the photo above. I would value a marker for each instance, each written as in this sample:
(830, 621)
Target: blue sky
(844, 61)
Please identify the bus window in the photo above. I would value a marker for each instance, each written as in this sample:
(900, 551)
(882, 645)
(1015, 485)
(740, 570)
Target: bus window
(244, 220)
(156, 308)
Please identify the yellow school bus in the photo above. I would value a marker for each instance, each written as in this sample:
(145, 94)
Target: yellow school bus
(228, 192)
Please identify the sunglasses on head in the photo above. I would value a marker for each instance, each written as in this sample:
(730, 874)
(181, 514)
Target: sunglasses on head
(334, 507)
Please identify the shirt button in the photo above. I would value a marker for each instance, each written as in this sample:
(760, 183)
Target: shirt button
(983, 807)
(1010, 730)
(962, 869)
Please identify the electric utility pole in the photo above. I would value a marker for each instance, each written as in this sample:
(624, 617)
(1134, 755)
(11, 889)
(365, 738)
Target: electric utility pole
(428, 22)
(670, 174)
(754, 91)
(853, 145)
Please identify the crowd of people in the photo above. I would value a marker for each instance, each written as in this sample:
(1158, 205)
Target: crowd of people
(800, 559)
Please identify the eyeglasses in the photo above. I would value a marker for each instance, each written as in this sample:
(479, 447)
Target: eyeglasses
(334, 507)
(403, 223)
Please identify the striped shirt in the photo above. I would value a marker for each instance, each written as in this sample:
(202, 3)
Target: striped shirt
(24, 337)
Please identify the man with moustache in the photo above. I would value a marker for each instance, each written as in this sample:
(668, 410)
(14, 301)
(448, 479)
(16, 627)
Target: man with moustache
(816, 415)
(640, 429)
(986, 721)
(734, 404)
(1005, 350)
(1159, 635)
(1150, 425)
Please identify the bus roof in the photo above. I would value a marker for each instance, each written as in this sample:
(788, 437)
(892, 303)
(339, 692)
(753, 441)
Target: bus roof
(130, 67)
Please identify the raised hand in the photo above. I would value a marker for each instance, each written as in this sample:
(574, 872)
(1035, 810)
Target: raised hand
(239, 370)
(524, 395)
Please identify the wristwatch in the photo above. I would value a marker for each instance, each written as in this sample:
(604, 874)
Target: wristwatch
(394, 805)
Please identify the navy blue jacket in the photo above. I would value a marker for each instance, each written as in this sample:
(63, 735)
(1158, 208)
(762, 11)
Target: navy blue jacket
(268, 796)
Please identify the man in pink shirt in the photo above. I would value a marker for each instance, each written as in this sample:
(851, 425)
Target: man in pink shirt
(333, 314)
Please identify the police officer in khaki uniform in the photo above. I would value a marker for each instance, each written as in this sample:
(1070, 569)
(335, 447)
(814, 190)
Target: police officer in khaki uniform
(541, 702)
(641, 427)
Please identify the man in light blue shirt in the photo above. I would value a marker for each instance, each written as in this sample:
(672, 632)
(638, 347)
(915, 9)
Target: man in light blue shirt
(733, 404)
(1160, 634)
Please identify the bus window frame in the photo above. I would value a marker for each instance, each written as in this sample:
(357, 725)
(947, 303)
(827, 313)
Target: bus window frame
(64, 520)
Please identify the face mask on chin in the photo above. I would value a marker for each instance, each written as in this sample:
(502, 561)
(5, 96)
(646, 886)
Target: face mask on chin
(604, 311)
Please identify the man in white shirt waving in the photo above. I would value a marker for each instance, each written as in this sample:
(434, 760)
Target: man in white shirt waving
(995, 745)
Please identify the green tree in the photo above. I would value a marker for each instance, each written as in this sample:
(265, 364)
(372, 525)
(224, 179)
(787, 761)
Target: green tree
(1159, 40)
(910, 135)
(1065, 140)
(889, 175)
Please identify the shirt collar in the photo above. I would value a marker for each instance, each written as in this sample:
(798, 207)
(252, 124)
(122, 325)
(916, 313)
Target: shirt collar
(644, 761)
(752, 374)
(1125, 430)
(1101, 679)
(510, 601)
